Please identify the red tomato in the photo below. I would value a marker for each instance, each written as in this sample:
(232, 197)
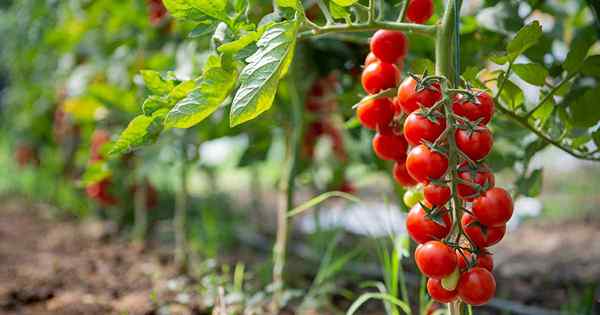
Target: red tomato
(417, 127)
(424, 164)
(476, 144)
(438, 293)
(370, 59)
(389, 46)
(480, 176)
(423, 229)
(157, 11)
(435, 259)
(100, 137)
(25, 154)
(475, 232)
(390, 146)
(419, 11)
(483, 260)
(437, 195)
(99, 191)
(409, 99)
(476, 286)
(401, 175)
(465, 108)
(379, 76)
(376, 114)
(494, 208)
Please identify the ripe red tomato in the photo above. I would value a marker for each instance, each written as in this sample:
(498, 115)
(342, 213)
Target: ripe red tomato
(409, 99)
(494, 208)
(99, 138)
(476, 144)
(481, 176)
(389, 46)
(476, 286)
(99, 191)
(483, 260)
(157, 11)
(25, 154)
(465, 108)
(423, 229)
(390, 146)
(419, 11)
(437, 195)
(376, 114)
(435, 259)
(424, 164)
(438, 293)
(417, 127)
(401, 175)
(370, 59)
(475, 232)
(379, 76)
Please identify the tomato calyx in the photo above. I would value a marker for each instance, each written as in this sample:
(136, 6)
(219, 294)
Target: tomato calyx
(435, 213)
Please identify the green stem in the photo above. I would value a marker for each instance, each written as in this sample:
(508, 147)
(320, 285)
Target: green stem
(369, 27)
(551, 94)
(326, 12)
(179, 220)
(402, 13)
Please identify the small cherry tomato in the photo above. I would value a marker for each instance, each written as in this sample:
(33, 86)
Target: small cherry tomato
(462, 106)
(483, 236)
(435, 259)
(437, 195)
(494, 208)
(424, 164)
(419, 11)
(438, 293)
(418, 127)
(483, 260)
(379, 76)
(480, 175)
(389, 46)
(376, 113)
(476, 286)
(476, 144)
(401, 175)
(409, 99)
(391, 147)
(423, 229)
(412, 197)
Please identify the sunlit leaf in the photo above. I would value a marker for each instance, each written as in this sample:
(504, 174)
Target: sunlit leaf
(95, 172)
(141, 130)
(83, 108)
(531, 73)
(338, 11)
(156, 82)
(579, 50)
(525, 39)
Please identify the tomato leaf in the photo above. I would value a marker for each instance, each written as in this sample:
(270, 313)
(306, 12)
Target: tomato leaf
(512, 95)
(95, 172)
(156, 82)
(203, 28)
(198, 9)
(211, 91)
(294, 4)
(140, 131)
(527, 36)
(260, 78)
(338, 11)
(584, 109)
(344, 3)
(579, 50)
(531, 186)
(531, 73)
(591, 66)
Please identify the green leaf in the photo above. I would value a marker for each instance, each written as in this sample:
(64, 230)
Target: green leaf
(344, 3)
(585, 110)
(95, 172)
(544, 111)
(260, 78)
(578, 51)
(242, 42)
(294, 4)
(154, 102)
(591, 66)
(182, 90)
(531, 186)
(527, 36)
(141, 130)
(531, 73)
(202, 29)
(184, 9)
(338, 11)
(213, 88)
(156, 82)
(512, 95)
(596, 137)
(420, 65)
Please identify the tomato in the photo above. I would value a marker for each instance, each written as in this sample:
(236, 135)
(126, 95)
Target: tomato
(347, 187)
(401, 175)
(99, 191)
(480, 175)
(157, 11)
(465, 108)
(412, 197)
(476, 144)
(390, 146)
(25, 154)
(379, 76)
(418, 127)
(435, 259)
(424, 164)
(423, 229)
(437, 195)
(475, 232)
(389, 46)
(476, 286)
(100, 137)
(419, 11)
(409, 99)
(438, 293)
(376, 113)
(483, 260)
(494, 208)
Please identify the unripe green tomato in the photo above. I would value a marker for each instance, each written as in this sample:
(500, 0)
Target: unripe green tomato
(450, 282)
(412, 197)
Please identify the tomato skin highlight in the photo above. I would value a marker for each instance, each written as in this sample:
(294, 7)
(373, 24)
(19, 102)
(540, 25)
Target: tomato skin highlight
(376, 114)
(389, 46)
(419, 11)
(484, 110)
(494, 208)
(476, 286)
(391, 147)
(476, 145)
(484, 260)
(424, 164)
(422, 229)
(379, 76)
(435, 259)
(401, 175)
(409, 99)
(482, 177)
(438, 293)
(492, 236)
(417, 128)
(437, 195)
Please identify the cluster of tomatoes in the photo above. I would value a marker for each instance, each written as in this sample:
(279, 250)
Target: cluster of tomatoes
(413, 131)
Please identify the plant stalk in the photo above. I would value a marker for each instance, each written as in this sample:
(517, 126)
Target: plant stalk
(179, 220)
